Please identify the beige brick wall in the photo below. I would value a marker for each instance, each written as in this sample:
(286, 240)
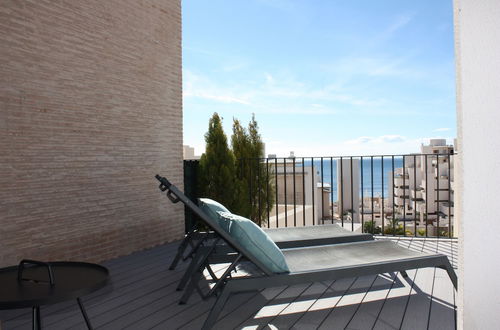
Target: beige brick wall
(90, 110)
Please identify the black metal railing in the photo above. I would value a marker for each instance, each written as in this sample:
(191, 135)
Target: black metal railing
(407, 195)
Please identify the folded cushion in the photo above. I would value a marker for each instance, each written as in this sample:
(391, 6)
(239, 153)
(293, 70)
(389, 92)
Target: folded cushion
(210, 208)
(255, 241)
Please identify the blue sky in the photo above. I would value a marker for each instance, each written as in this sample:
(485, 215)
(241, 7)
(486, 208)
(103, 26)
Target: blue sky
(323, 77)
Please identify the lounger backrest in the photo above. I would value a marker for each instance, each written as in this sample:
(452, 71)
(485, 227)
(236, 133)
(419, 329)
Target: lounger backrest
(212, 223)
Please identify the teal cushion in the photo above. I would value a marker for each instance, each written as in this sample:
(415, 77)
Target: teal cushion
(256, 242)
(210, 208)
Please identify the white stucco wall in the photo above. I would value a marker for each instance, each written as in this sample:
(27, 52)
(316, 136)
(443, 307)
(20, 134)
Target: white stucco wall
(477, 36)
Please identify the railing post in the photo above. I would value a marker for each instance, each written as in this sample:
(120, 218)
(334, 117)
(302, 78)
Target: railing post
(294, 197)
(276, 188)
(313, 188)
(286, 191)
(382, 211)
(190, 190)
(303, 193)
(322, 195)
(362, 198)
(341, 194)
(415, 197)
(268, 193)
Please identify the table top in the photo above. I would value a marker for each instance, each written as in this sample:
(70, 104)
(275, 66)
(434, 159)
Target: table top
(71, 280)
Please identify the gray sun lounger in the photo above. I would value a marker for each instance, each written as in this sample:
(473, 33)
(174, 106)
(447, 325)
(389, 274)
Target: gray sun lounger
(283, 237)
(306, 264)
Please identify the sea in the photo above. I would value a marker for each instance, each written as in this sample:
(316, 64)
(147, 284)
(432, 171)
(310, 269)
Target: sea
(326, 170)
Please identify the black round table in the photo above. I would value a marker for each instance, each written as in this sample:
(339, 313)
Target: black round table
(34, 283)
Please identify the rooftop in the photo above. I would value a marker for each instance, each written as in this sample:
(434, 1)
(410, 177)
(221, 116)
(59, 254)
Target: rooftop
(142, 296)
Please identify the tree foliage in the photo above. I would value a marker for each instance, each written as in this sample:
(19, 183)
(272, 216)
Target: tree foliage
(254, 181)
(237, 178)
(240, 143)
(217, 171)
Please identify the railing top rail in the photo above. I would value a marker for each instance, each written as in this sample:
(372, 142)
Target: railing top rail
(359, 156)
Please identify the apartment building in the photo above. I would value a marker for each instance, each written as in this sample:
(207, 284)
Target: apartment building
(422, 190)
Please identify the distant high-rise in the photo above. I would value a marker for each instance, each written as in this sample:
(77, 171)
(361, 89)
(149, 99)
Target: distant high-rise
(422, 189)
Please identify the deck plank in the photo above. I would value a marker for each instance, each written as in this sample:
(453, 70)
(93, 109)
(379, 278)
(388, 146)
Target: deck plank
(142, 295)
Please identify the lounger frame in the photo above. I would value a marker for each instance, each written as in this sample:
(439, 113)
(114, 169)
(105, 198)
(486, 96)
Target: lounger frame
(226, 285)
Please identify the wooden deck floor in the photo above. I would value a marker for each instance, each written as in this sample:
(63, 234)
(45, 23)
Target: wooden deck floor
(142, 295)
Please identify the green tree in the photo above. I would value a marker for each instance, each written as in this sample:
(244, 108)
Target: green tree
(254, 182)
(217, 171)
(240, 143)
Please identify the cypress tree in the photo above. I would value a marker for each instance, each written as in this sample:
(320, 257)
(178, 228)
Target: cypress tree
(217, 171)
(262, 178)
(254, 183)
(240, 143)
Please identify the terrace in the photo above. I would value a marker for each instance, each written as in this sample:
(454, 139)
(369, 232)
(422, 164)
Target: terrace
(91, 109)
(142, 295)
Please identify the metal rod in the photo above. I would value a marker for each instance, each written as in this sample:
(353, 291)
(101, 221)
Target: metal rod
(362, 198)
(371, 180)
(268, 194)
(35, 318)
(303, 193)
(322, 195)
(313, 188)
(383, 209)
(294, 197)
(450, 235)
(286, 191)
(250, 191)
(84, 313)
(415, 197)
(341, 195)
(352, 200)
(393, 202)
(331, 187)
(276, 187)
(426, 197)
(259, 203)
(404, 197)
(438, 193)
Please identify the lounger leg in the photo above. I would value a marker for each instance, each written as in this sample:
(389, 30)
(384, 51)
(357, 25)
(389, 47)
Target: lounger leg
(195, 263)
(195, 279)
(196, 273)
(180, 250)
(404, 273)
(217, 308)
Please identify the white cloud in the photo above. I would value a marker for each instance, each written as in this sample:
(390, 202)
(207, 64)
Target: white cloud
(377, 140)
(400, 22)
(197, 86)
(276, 95)
(374, 66)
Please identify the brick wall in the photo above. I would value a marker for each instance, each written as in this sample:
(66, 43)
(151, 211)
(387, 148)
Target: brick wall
(90, 110)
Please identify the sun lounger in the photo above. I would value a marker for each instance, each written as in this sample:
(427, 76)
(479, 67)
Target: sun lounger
(303, 265)
(283, 237)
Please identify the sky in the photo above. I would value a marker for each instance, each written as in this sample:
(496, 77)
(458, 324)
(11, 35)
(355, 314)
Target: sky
(323, 77)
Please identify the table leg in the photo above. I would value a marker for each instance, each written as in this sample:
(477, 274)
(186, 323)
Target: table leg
(37, 325)
(84, 313)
